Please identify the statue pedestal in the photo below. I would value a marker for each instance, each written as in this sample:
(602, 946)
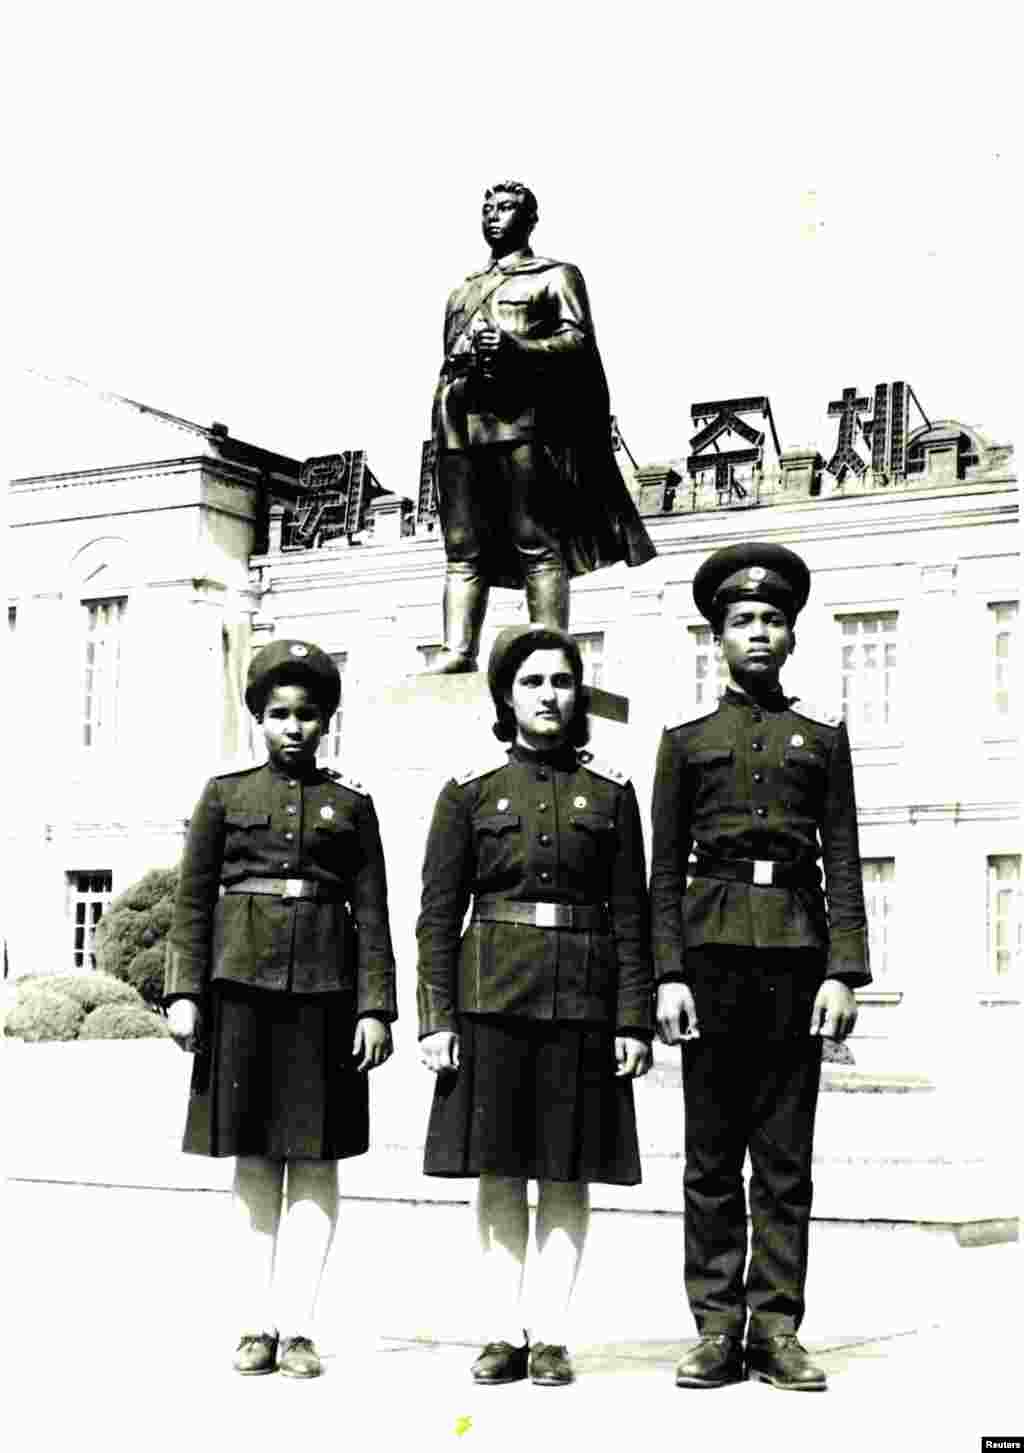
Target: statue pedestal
(403, 741)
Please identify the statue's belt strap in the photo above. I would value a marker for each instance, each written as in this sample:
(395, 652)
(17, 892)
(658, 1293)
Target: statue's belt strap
(761, 872)
(486, 294)
(288, 888)
(542, 915)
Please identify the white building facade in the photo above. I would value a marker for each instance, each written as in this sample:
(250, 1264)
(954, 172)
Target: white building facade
(138, 591)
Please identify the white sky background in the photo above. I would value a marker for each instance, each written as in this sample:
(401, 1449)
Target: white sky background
(254, 213)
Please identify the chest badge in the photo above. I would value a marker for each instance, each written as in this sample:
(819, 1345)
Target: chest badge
(796, 740)
(579, 802)
(503, 804)
(327, 813)
(299, 649)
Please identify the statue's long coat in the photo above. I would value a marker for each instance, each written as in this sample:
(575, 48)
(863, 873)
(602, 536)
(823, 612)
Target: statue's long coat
(555, 395)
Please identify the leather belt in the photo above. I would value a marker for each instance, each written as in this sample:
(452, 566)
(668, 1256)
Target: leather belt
(761, 872)
(542, 915)
(288, 888)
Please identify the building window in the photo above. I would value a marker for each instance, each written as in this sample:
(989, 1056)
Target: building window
(591, 644)
(1004, 915)
(329, 749)
(102, 673)
(710, 671)
(869, 672)
(880, 904)
(12, 618)
(88, 896)
(1003, 620)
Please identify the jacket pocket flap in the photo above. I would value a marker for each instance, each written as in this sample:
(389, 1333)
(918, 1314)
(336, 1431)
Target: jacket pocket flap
(334, 824)
(803, 758)
(713, 757)
(592, 821)
(498, 822)
(247, 819)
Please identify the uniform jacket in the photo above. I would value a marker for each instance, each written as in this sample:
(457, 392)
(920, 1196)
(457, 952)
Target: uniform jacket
(748, 781)
(555, 395)
(262, 823)
(555, 827)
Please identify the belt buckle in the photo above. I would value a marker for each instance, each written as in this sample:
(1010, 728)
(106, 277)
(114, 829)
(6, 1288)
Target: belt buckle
(764, 872)
(545, 915)
(293, 888)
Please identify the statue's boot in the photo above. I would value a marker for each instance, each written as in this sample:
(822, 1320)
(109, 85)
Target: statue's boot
(465, 604)
(547, 594)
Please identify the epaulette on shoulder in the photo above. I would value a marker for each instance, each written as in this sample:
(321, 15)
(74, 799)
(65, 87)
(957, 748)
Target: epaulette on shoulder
(344, 780)
(239, 771)
(691, 718)
(600, 768)
(482, 769)
(823, 715)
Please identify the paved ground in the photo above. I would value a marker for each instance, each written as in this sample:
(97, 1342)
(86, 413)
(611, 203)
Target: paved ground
(117, 1335)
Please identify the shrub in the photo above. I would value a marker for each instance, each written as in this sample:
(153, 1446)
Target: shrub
(145, 974)
(92, 990)
(123, 1021)
(130, 935)
(40, 1013)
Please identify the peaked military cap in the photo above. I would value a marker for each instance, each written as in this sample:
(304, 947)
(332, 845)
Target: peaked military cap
(294, 661)
(754, 570)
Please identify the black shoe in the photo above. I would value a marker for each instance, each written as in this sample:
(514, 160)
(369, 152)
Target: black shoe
(500, 1362)
(784, 1363)
(257, 1354)
(716, 1361)
(550, 1365)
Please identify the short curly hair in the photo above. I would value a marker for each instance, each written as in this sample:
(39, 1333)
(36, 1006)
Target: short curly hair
(522, 191)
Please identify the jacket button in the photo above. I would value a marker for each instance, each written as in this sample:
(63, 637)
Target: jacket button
(542, 776)
(545, 876)
(545, 839)
(542, 807)
(762, 812)
(289, 836)
(757, 715)
(758, 776)
(757, 746)
(291, 811)
(293, 784)
(286, 864)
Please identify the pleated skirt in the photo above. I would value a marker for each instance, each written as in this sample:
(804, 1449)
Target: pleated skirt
(276, 1078)
(537, 1099)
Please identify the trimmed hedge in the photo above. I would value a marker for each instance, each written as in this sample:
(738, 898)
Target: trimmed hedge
(130, 936)
(123, 1021)
(40, 1014)
(91, 990)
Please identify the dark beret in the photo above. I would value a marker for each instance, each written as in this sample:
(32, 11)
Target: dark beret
(755, 570)
(515, 643)
(299, 663)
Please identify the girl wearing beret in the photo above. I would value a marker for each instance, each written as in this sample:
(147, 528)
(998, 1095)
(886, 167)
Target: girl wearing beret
(537, 1018)
(280, 978)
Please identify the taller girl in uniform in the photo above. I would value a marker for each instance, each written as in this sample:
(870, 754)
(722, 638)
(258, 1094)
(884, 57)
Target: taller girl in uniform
(280, 974)
(539, 1016)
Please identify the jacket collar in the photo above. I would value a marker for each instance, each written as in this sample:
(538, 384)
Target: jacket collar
(776, 700)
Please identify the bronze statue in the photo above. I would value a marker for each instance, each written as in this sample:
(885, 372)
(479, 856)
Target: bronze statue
(529, 492)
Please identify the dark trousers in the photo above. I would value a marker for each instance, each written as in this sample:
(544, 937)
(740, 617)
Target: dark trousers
(492, 506)
(750, 1085)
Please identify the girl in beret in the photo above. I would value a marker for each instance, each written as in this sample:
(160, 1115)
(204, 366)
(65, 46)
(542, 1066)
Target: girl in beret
(538, 1017)
(280, 977)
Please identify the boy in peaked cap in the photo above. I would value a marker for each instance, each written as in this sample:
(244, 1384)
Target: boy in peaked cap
(752, 968)
(280, 963)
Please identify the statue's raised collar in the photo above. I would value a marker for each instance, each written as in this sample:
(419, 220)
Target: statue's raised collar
(525, 260)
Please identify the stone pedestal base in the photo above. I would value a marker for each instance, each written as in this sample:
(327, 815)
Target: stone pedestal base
(404, 741)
